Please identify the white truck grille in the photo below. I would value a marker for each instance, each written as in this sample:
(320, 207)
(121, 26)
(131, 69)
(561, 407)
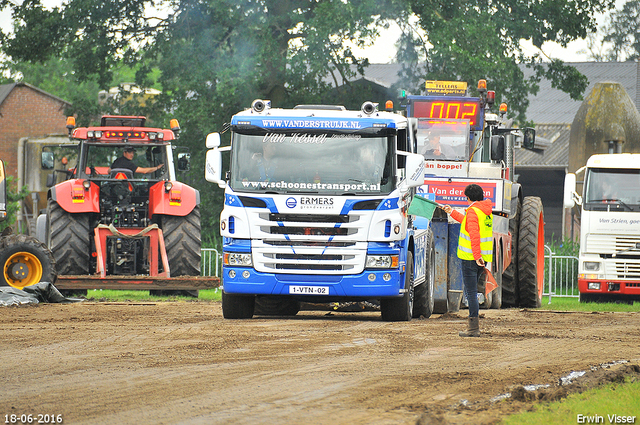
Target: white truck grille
(626, 265)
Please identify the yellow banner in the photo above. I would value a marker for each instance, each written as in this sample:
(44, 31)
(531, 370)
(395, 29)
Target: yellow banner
(446, 87)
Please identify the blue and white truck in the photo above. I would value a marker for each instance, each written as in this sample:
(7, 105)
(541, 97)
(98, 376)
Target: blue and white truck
(315, 210)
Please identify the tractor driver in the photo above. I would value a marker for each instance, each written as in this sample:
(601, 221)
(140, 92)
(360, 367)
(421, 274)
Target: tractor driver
(126, 161)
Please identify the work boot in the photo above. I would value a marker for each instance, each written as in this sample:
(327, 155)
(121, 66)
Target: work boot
(473, 329)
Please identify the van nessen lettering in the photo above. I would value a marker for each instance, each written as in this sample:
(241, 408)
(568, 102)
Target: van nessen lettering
(316, 201)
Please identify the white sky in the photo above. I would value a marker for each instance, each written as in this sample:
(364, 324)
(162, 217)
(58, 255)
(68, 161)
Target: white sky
(383, 51)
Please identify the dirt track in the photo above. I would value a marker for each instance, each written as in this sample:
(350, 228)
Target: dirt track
(181, 362)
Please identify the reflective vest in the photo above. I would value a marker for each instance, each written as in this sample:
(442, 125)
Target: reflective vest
(486, 237)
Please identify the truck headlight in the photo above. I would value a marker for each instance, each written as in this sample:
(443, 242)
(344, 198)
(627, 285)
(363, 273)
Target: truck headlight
(594, 286)
(237, 259)
(592, 266)
(381, 262)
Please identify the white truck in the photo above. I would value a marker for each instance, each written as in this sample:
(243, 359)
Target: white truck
(609, 258)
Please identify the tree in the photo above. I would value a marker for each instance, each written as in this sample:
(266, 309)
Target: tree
(215, 56)
(481, 39)
(622, 32)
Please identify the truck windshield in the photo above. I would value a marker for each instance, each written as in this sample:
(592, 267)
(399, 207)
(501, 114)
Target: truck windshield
(443, 139)
(335, 164)
(607, 187)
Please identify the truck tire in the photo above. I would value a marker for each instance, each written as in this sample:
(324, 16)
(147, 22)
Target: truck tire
(400, 309)
(531, 253)
(510, 293)
(237, 306)
(268, 305)
(25, 261)
(68, 240)
(424, 303)
(183, 244)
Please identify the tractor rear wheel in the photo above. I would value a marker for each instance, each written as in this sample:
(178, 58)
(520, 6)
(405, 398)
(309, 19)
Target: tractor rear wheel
(531, 253)
(183, 244)
(68, 240)
(25, 261)
(510, 293)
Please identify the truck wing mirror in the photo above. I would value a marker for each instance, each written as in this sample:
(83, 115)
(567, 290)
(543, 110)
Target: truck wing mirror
(213, 140)
(213, 167)
(570, 197)
(414, 167)
(47, 160)
(529, 139)
(184, 161)
(497, 148)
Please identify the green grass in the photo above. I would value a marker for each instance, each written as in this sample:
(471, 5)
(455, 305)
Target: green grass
(119, 295)
(618, 399)
(574, 304)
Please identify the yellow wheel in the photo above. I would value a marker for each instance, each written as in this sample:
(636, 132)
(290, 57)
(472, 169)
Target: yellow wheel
(25, 261)
(22, 269)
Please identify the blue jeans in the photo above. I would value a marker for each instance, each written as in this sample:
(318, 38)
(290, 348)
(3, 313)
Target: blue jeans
(471, 274)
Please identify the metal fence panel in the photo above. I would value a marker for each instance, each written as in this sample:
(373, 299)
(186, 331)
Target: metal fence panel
(211, 262)
(561, 275)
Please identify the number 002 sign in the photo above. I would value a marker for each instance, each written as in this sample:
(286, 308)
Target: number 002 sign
(458, 109)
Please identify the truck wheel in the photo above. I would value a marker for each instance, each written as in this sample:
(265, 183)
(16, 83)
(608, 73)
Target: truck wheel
(25, 261)
(531, 253)
(237, 306)
(496, 271)
(510, 293)
(182, 242)
(400, 309)
(68, 240)
(269, 305)
(424, 304)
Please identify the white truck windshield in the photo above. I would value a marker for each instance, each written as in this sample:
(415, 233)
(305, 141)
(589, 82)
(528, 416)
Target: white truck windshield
(613, 186)
(311, 163)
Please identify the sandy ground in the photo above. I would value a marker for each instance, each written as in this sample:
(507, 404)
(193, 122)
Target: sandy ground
(182, 363)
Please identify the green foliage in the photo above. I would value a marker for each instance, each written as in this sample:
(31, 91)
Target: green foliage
(622, 32)
(14, 197)
(618, 399)
(211, 59)
(481, 39)
(566, 247)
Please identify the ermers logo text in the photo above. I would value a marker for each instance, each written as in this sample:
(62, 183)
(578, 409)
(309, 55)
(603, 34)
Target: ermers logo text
(316, 201)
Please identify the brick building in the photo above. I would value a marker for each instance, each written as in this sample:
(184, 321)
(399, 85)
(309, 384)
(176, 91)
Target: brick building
(26, 111)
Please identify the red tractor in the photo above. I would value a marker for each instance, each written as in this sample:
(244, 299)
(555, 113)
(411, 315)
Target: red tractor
(125, 228)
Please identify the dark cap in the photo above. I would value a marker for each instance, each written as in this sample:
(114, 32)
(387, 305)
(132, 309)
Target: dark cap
(129, 149)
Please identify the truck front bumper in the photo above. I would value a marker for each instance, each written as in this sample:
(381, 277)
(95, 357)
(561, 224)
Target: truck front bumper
(369, 284)
(608, 286)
